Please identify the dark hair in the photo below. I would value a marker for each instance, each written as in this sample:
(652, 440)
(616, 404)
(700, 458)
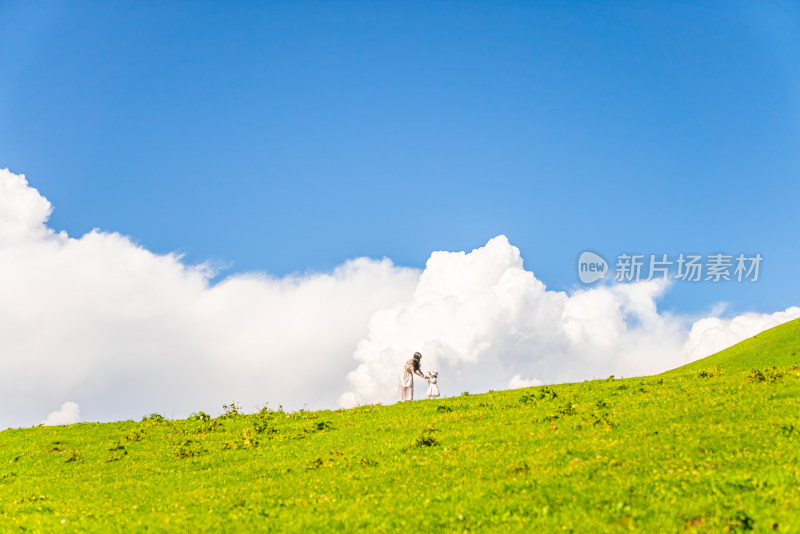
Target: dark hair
(417, 357)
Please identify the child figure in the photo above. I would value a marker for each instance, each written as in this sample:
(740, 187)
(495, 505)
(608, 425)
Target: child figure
(433, 389)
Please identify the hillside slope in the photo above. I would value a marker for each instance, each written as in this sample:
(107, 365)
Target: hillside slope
(689, 452)
(778, 347)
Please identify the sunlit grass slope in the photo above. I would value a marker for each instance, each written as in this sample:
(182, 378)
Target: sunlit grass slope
(777, 347)
(713, 448)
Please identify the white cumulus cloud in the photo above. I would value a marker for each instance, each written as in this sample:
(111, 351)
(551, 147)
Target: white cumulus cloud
(126, 332)
(68, 414)
(486, 322)
(712, 334)
(517, 382)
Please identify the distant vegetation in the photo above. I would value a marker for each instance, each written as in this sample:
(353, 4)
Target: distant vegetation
(710, 447)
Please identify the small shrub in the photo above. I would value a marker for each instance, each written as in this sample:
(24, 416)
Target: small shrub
(426, 439)
(708, 373)
(465, 394)
(266, 413)
(316, 464)
(154, 418)
(602, 419)
(262, 426)
(213, 424)
(742, 522)
(231, 410)
(249, 439)
(547, 394)
(568, 409)
(187, 449)
(199, 416)
(323, 425)
(137, 435)
(117, 457)
(757, 375)
(331, 459)
(443, 409)
(768, 376)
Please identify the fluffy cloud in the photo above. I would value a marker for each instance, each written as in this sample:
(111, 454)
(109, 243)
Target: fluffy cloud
(712, 334)
(486, 322)
(125, 332)
(517, 382)
(68, 414)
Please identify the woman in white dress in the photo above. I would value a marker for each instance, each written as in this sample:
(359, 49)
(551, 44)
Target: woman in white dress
(406, 385)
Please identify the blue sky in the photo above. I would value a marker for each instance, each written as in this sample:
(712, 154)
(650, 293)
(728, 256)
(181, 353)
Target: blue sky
(289, 137)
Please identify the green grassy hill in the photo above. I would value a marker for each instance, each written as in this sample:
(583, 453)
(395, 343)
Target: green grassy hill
(701, 450)
(777, 347)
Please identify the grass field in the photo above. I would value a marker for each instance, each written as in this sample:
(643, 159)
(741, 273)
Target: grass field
(710, 447)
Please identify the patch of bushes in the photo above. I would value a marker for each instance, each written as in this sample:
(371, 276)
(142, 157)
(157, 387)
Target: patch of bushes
(137, 435)
(544, 393)
(231, 411)
(426, 439)
(709, 373)
(154, 418)
(323, 425)
(188, 448)
(264, 426)
(768, 376)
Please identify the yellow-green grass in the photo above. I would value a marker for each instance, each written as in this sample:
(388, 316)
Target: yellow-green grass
(779, 347)
(709, 449)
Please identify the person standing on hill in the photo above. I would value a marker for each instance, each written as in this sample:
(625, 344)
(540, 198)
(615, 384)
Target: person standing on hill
(433, 388)
(406, 386)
